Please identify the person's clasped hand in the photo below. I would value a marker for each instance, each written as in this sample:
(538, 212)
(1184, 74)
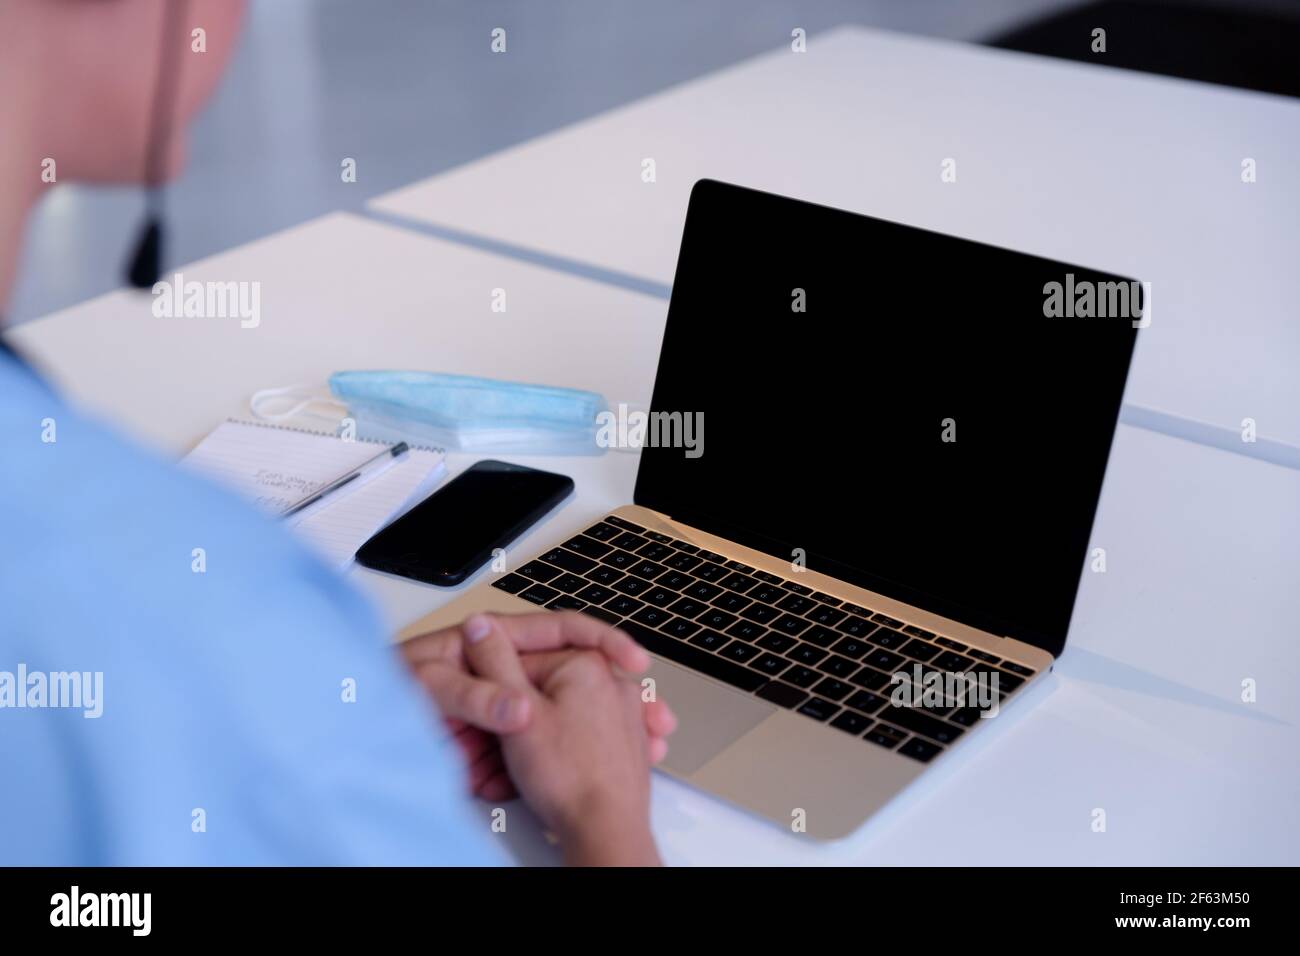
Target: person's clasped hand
(549, 706)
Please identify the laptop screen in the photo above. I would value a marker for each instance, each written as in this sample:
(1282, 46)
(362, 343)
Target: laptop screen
(920, 415)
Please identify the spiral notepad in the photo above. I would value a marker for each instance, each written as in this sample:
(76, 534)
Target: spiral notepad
(276, 465)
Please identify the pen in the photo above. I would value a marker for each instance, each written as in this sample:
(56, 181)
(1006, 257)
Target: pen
(366, 470)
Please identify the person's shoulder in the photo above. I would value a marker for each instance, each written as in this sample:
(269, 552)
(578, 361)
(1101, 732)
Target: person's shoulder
(234, 664)
(68, 475)
(93, 520)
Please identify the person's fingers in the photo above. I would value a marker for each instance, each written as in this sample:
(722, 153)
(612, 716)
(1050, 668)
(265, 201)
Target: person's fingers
(474, 743)
(489, 765)
(498, 787)
(491, 653)
(482, 702)
(453, 725)
(623, 652)
(441, 645)
(660, 721)
(552, 631)
(486, 771)
(658, 749)
(539, 665)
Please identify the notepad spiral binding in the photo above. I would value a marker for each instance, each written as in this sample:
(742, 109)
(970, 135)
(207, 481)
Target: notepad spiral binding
(324, 434)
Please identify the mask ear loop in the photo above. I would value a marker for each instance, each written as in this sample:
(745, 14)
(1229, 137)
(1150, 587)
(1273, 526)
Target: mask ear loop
(305, 396)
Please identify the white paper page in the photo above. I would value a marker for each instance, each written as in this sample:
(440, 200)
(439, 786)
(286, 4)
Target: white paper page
(275, 467)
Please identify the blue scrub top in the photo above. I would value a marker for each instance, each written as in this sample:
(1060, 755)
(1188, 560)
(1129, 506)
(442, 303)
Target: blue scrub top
(224, 735)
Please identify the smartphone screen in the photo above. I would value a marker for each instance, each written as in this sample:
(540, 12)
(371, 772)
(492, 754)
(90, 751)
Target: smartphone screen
(453, 532)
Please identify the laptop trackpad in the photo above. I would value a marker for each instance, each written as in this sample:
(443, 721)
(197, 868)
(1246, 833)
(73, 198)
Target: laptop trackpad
(709, 716)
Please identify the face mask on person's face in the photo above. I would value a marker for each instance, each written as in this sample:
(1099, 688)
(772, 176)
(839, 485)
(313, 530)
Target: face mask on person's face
(457, 412)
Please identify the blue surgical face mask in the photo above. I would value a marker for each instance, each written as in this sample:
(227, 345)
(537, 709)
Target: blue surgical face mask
(457, 412)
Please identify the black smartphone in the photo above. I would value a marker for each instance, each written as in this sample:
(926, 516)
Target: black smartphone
(452, 533)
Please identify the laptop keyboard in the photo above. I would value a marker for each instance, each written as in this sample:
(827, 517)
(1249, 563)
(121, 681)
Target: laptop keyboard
(827, 659)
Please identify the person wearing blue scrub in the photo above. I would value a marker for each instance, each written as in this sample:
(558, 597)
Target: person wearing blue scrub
(181, 681)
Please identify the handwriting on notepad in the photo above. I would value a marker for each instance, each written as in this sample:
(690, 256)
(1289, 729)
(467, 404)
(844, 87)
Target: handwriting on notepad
(277, 467)
(279, 489)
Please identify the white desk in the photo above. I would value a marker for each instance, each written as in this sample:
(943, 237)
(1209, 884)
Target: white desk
(1107, 168)
(343, 292)
(1142, 719)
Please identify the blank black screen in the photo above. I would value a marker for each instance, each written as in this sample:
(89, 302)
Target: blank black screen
(824, 428)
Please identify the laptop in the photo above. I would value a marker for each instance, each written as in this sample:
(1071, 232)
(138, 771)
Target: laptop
(871, 546)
